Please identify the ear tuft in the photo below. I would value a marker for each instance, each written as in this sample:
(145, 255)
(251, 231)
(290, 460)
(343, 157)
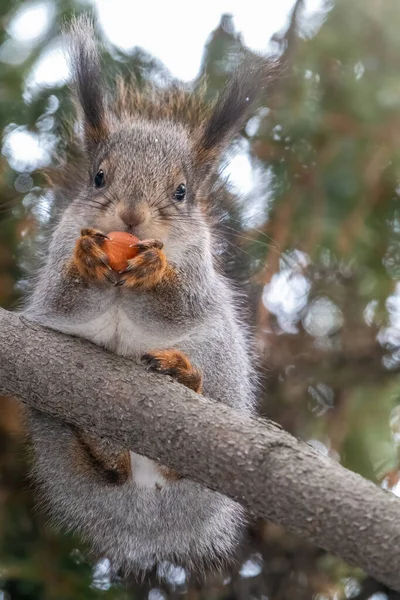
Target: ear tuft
(86, 69)
(233, 107)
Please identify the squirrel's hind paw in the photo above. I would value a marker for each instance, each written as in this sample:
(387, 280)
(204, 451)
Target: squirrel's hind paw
(177, 365)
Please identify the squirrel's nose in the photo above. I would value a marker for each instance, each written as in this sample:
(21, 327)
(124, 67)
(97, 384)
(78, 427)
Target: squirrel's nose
(132, 217)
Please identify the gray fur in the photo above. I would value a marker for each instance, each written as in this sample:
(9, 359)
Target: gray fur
(137, 526)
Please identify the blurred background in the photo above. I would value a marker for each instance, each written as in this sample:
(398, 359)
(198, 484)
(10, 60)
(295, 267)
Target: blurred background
(316, 234)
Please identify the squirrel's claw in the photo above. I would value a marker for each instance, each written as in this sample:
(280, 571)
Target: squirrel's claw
(110, 279)
(147, 244)
(105, 263)
(94, 233)
(127, 269)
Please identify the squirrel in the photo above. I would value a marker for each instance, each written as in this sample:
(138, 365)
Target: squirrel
(147, 163)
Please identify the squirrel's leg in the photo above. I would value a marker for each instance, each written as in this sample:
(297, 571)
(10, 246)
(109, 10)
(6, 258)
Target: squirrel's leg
(177, 365)
(89, 261)
(99, 459)
(96, 457)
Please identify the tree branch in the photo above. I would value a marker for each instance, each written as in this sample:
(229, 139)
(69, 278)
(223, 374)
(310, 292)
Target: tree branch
(251, 460)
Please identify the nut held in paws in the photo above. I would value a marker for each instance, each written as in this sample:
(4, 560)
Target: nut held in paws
(118, 250)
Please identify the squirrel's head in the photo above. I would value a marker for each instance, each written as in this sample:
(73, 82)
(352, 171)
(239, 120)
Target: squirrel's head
(149, 155)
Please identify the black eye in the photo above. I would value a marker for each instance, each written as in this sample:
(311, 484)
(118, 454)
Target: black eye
(180, 192)
(99, 180)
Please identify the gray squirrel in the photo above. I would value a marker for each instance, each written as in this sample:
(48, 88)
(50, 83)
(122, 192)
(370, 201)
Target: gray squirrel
(147, 164)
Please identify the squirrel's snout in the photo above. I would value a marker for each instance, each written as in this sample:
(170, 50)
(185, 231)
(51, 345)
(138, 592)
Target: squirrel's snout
(132, 217)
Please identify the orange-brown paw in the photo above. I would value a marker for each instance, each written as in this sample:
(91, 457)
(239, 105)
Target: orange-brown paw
(90, 260)
(97, 458)
(175, 363)
(148, 267)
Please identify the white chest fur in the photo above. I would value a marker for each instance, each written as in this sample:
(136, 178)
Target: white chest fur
(115, 330)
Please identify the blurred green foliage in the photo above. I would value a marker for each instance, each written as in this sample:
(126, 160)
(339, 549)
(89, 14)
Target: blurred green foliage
(324, 297)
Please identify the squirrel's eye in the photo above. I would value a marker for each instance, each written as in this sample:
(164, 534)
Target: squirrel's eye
(99, 180)
(180, 192)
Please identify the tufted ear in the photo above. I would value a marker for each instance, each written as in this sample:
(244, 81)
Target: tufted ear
(86, 70)
(231, 110)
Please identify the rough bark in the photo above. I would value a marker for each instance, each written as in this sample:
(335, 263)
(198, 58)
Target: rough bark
(252, 460)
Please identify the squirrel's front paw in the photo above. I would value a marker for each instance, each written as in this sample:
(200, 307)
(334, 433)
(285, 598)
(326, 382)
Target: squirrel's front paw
(177, 365)
(90, 259)
(148, 267)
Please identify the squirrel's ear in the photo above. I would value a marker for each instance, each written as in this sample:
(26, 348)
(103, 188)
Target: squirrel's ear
(231, 109)
(86, 71)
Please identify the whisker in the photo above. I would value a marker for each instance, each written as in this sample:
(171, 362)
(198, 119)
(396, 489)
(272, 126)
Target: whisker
(183, 219)
(90, 204)
(110, 199)
(258, 231)
(114, 196)
(164, 206)
(94, 201)
(4, 211)
(176, 222)
(9, 204)
(157, 201)
(244, 237)
(239, 248)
